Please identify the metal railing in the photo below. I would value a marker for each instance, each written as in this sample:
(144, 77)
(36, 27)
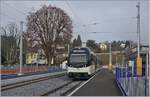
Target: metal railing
(132, 84)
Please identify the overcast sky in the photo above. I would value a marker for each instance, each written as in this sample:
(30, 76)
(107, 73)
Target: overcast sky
(113, 19)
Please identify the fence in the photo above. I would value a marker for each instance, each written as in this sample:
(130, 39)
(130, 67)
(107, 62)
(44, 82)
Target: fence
(31, 69)
(132, 84)
(25, 69)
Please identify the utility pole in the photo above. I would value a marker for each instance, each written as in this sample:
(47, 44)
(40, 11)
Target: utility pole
(138, 27)
(110, 57)
(147, 74)
(20, 68)
(0, 49)
(139, 59)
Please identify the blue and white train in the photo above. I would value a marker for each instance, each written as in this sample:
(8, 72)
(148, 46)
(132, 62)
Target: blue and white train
(81, 62)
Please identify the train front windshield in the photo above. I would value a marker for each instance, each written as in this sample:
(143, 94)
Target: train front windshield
(78, 58)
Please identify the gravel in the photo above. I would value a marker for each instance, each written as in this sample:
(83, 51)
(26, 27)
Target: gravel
(25, 78)
(65, 89)
(36, 89)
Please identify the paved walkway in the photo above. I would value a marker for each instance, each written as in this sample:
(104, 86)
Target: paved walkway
(102, 84)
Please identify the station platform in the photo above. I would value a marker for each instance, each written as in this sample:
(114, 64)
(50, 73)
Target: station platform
(103, 83)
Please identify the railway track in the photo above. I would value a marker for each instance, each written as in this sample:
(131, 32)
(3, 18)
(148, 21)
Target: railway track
(71, 88)
(23, 83)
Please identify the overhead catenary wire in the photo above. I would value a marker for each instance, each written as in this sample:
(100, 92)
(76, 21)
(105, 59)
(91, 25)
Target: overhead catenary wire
(12, 18)
(112, 32)
(53, 3)
(76, 16)
(72, 10)
(15, 20)
(21, 12)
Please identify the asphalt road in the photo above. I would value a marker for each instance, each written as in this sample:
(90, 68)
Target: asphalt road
(102, 84)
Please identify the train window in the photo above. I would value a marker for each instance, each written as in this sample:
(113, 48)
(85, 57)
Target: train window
(76, 58)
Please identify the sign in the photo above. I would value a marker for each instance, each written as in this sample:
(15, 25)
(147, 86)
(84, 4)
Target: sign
(78, 50)
(131, 63)
(139, 65)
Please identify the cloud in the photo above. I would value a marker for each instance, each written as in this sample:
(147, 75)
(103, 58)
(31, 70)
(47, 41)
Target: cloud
(117, 17)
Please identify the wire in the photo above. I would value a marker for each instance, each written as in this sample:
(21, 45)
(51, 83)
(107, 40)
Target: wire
(76, 17)
(15, 9)
(53, 3)
(8, 16)
(113, 32)
(71, 9)
(16, 21)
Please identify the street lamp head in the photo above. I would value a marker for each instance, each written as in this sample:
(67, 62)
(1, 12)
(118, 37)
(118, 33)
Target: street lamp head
(21, 22)
(95, 23)
(93, 32)
(84, 25)
(138, 4)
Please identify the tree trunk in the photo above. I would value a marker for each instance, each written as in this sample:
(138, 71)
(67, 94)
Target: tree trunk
(52, 60)
(49, 59)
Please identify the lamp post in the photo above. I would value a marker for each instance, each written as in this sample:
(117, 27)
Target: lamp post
(138, 27)
(20, 67)
(139, 59)
(110, 57)
(0, 50)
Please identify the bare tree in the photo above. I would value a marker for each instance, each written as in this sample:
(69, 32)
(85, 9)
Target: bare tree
(48, 25)
(9, 42)
(29, 42)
